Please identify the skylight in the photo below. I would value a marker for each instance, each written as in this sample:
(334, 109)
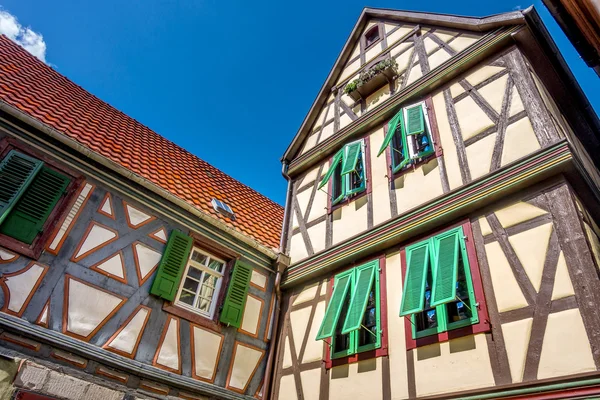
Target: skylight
(222, 208)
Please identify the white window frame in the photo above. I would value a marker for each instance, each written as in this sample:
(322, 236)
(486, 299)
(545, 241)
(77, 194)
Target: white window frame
(205, 270)
(410, 139)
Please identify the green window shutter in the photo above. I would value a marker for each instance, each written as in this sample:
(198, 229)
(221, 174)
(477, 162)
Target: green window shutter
(332, 314)
(415, 121)
(171, 267)
(27, 218)
(353, 151)
(445, 271)
(365, 275)
(16, 173)
(334, 162)
(392, 126)
(235, 301)
(417, 260)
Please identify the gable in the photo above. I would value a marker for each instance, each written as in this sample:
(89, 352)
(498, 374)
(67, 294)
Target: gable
(416, 49)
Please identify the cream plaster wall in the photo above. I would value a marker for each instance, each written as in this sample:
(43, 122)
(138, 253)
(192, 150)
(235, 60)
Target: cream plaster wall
(516, 339)
(244, 363)
(365, 378)
(311, 384)
(379, 182)
(350, 220)
(457, 365)
(207, 346)
(415, 187)
(447, 141)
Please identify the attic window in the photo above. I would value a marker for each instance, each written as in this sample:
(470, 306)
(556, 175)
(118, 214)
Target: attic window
(372, 36)
(222, 208)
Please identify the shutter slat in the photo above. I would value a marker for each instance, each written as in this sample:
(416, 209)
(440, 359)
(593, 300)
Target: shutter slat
(351, 157)
(334, 162)
(172, 265)
(16, 173)
(392, 126)
(360, 296)
(26, 220)
(332, 314)
(415, 121)
(417, 261)
(445, 271)
(237, 293)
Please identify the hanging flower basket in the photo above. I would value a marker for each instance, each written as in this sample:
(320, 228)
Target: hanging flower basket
(372, 79)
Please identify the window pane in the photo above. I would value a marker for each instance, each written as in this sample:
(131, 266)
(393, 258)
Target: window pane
(206, 292)
(459, 310)
(194, 273)
(368, 329)
(342, 342)
(199, 257)
(337, 182)
(356, 177)
(187, 297)
(210, 280)
(190, 285)
(398, 150)
(428, 318)
(203, 304)
(216, 265)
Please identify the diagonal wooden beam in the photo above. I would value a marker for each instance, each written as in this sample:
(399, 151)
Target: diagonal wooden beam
(502, 125)
(461, 151)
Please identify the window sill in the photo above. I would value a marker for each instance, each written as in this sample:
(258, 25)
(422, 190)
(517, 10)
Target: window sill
(480, 327)
(190, 316)
(366, 355)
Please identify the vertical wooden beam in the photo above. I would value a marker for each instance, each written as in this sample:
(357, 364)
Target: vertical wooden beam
(496, 344)
(539, 116)
(420, 49)
(501, 126)
(337, 110)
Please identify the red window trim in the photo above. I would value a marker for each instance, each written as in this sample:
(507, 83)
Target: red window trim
(367, 355)
(368, 189)
(484, 322)
(34, 250)
(435, 133)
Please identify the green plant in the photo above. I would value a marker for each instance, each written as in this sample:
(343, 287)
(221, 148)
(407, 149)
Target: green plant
(366, 75)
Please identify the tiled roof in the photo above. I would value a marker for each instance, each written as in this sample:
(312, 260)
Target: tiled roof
(36, 89)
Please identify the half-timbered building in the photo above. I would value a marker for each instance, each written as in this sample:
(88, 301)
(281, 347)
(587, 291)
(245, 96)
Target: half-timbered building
(442, 218)
(129, 267)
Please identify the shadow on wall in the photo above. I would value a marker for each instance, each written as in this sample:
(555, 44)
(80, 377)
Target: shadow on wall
(456, 346)
(342, 371)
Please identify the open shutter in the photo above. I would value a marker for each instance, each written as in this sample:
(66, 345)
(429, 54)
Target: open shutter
(334, 162)
(233, 308)
(16, 173)
(27, 218)
(365, 276)
(415, 121)
(417, 261)
(391, 130)
(351, 157)
(171, 267)
(332, 314)
(445, 270)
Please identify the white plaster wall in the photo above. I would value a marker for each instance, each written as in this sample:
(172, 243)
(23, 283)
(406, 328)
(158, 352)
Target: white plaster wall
(252, 312)
(360, 380)
(418, 186)
(206, 352)
(350, 219)
(456, 365)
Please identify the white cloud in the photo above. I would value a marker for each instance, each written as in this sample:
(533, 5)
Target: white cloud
(31, 41)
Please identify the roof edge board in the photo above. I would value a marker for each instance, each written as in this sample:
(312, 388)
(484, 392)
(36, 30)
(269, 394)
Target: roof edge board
(117, 168)
(452, 21)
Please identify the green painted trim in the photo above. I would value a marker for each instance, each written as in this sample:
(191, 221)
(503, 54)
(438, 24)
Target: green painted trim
(534, 390)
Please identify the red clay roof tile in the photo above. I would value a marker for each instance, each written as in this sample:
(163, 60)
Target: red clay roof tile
(38, 90)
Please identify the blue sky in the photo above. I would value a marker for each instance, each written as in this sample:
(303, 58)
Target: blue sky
(231, 81)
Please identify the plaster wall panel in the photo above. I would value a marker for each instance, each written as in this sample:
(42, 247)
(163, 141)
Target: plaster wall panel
(87, 307)
(136, 217)
(456, 89)
(486, 229)
(594, 243)
(531, 247)
(378, 97)
(168, 351)
(252, 314)
(401, 54)
(207, 348)
(561, 357)
(314, 348)
(373, 51)
(379, 180)
(482, 72)
(399, 34)
(295, 223)
(43, 319)
(397, 349)
(436, 366)
(287, 355)
(430, 45)
(307, 293)
(360, 380)
(303, 197)
(450, 155)
(97, 236)
(21, 285)
(516, 104)
(507, 291)
(517, 213)
(563, 287)
(516, 339)
(244, 364)
(7, 256)
(317, 236)
(125, 340)
(160, 235)
(287, 388)
(310, 142)
(445, 35)
(107, 207)
(350, 219)
(326, 132)
(311, 383)
(113, 265)
(463, 41)
(493, 92)
(311, 175)
(319, 206)
(520, 140)
(479, 156)
(418, 186)
(297, 248)
(438, 58)
(349, 70)
(258, 279)
(355, 52)
(414, 73)
(471, 118)
(299, 324)
(146, 259)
